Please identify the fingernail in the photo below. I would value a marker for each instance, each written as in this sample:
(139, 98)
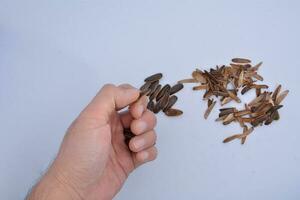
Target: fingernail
(142, 126)
(126, 86)
(139, 143)
(144, 155)
(140, 110)
(129, 90)
(132, 91)
(146, 99)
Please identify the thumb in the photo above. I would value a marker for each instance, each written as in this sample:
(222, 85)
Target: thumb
(109, 99)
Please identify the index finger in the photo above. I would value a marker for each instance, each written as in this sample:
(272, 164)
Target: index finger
(139, 107)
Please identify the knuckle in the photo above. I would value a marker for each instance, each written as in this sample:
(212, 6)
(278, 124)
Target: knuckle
(125, 85)
(109, 87)
(154, 118)
(132, 146)
(155, 153)
(154, 136)
(139, 157)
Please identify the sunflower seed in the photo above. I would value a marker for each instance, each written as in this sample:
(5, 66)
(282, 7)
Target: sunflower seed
(246, 89)
(162, 103)
(188, 80)
(200, 87)
(220, 93)
(258, 77)
(276, 92)
(173, 112)
(154, 77)
(163, 91)
(226, 112)
(145, 88)
(171, 102)
(241, 60)
(233, 137)
(150, 105)
(225, 101)
(154, 94)
(238, 136)
(259, 120)
(243, 140)
(281, 96)
(198, 75)
(156, 108)
(234, 97)
(242, 113)
(153, 87)
(175, 88)
(256, 67)
(209, 109)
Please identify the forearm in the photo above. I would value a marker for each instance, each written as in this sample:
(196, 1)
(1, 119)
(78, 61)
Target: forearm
(49, 187)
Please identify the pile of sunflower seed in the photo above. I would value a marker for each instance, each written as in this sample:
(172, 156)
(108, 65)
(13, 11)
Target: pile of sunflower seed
(225, 83)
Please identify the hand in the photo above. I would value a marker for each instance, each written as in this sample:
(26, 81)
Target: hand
(93, 161)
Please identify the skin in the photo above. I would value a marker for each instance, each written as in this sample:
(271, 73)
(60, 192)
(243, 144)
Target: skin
(93, 161)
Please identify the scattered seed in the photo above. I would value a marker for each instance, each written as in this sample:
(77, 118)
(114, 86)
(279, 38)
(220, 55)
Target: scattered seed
(189, 80)
(209, 109)
(258, 91)
(281, 96)
(238, 136)
(242, 113)
(276, 92)
(276, 115)
(226, 112)
(225, 101)
(256, 67)
(259, 120)
(246, 89)
(234, 97)
(243, 140)
(258, 77)
(233, 137)
(200, 87)
(198, 75)
(220, 93)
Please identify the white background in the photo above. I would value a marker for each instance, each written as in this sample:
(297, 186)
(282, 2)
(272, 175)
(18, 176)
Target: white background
(55, 55)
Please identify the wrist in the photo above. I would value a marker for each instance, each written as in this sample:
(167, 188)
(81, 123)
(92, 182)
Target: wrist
(52, 187)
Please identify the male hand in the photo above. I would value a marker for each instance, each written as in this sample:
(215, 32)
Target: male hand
(93, 161)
